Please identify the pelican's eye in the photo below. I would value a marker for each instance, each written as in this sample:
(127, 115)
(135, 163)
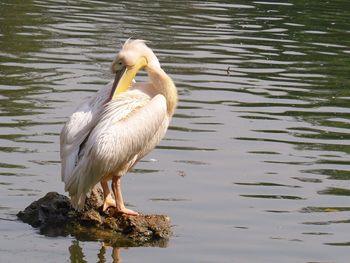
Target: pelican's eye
(117, 66)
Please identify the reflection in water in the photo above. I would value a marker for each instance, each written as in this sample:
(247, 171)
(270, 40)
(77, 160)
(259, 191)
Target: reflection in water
(77, 255)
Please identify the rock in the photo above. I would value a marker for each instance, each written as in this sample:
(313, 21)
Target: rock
(54, 215)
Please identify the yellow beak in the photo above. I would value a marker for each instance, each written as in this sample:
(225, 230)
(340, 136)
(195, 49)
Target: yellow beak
(125, 76)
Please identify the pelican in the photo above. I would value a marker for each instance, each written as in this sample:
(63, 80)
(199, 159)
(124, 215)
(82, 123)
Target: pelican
(106, 136)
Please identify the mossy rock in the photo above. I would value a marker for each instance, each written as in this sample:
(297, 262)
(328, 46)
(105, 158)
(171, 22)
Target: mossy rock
(54, 215)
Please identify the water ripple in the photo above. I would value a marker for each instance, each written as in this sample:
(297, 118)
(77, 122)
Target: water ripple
(264, 103)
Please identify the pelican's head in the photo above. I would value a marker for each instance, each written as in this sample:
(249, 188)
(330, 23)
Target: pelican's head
(133, 57)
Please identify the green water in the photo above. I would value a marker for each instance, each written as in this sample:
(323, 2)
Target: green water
(255, 166)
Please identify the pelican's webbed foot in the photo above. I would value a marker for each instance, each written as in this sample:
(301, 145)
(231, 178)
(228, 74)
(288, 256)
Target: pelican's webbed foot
(108, 202)
(126, 211)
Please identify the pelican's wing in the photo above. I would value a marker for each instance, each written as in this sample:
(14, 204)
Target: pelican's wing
(72, 135)
(125, 133)
(77, 128)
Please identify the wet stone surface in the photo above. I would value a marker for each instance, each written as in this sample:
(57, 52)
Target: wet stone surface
(54, 215)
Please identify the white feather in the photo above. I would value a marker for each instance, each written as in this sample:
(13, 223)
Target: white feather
(129, 127)
(77, 128)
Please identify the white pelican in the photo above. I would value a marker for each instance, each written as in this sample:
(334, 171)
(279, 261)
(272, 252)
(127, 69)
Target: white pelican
(104, 138)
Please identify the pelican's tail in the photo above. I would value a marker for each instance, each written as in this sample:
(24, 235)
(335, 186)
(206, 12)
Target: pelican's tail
(79, 184)
(76, 193)
(78, 202)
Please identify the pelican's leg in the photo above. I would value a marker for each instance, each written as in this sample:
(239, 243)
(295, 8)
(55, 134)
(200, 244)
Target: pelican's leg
(116, 186)
(107, 196)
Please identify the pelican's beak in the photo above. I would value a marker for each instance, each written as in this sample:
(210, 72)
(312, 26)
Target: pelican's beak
(125, 75)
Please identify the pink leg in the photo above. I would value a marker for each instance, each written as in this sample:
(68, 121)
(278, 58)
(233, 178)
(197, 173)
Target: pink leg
(120, 207)
(108, 199)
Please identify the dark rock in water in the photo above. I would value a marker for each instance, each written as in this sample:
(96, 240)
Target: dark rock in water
(54, 215)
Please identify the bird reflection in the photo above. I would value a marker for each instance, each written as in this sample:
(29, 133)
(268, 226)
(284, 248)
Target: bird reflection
(77, 255)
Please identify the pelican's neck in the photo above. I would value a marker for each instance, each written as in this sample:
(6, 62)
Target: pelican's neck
(163, 84)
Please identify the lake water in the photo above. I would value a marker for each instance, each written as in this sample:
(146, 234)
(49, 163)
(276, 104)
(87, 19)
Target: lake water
(255, 166)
